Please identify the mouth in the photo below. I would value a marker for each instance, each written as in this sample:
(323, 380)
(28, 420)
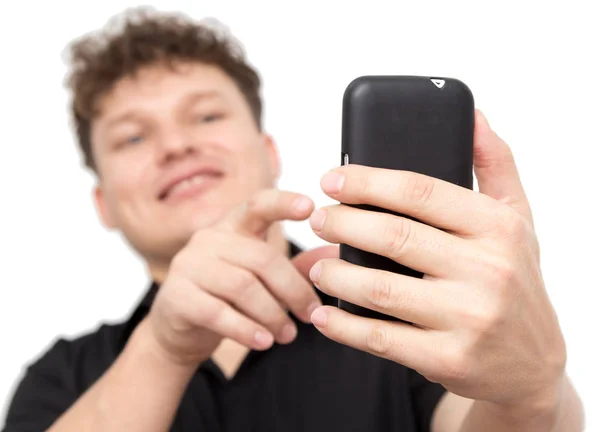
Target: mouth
(190, 185)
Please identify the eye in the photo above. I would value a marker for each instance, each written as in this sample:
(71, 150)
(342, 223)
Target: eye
(128, 141)
(208, 118)
(134, 139)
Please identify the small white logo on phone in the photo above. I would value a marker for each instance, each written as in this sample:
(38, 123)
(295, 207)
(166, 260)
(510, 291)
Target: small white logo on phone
(439, 83)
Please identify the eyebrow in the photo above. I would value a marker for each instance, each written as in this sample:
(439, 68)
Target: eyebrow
(188, 100)
(198, 96)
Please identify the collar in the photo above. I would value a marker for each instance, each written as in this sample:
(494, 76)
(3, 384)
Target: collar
(144, 305)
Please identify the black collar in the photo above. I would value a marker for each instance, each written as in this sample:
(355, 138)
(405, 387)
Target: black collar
(143, 307)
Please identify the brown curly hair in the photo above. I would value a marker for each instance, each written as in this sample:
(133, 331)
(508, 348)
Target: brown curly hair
(142, 37)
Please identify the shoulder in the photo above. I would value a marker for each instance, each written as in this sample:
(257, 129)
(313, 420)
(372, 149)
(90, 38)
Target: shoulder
(62, 371)
(69, 365)
(79, 360)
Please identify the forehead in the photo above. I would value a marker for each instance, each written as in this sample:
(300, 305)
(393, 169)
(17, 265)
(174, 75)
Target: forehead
(161, 87)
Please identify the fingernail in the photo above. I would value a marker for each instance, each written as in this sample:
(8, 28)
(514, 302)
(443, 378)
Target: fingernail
(302, 204)
(263, 339)
(317, 219)
(289, 332)
(319, 318)
(315, 271)
(332, 182)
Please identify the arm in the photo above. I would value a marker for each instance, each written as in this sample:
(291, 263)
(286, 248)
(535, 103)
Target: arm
(458, 414)
(483, 324)
(140, 392)
(226, 283)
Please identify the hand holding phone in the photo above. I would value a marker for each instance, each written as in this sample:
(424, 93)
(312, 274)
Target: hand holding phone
(413, 123)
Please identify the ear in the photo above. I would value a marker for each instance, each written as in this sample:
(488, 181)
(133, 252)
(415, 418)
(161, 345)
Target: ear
(273, 153)
(102, 208)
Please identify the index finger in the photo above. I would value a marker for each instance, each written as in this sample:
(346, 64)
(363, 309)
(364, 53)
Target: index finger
(270, 205)
(430, 200)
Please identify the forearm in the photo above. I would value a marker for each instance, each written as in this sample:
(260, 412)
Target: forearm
(565, 415)
(140, 392)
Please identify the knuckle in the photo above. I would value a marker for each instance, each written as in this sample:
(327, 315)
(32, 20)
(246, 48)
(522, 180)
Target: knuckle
(515, 225)
(180, 263)
(210, 317)
(512, 224)
(241, 284)
(479, 320)
(200, 237)
(557, 358)
(168, 300)
(418, 189)
(455, 365)
(365, 186)
(436, 373)
(381, 293)
(265, 256)
(379, 341)
(501, 273)
(397, 235)
(277, 321)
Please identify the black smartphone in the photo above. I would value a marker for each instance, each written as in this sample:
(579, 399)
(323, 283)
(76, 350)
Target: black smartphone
(413, 123)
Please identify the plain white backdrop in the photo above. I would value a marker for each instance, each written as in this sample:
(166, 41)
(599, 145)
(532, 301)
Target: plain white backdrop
(532, 67)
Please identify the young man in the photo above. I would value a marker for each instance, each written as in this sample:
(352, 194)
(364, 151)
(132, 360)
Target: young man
(232, 336)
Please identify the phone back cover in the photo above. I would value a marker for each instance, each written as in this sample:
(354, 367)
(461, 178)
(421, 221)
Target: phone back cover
(406, 123)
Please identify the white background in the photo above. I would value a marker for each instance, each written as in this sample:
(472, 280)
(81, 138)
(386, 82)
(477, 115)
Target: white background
(532, 67)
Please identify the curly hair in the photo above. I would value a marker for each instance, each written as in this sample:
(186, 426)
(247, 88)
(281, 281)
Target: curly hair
(142, 37)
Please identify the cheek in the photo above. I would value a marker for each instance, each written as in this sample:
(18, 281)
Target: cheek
(254, 157)
(255, 167)
(126, 178)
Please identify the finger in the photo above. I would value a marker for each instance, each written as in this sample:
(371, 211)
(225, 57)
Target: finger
(410, 299)
(418, 246)
(496, 170)
(280, 277)
(270, 205)
(214, 314)
(247, 294)
(399, 342)
(304, 261)
(430, 200)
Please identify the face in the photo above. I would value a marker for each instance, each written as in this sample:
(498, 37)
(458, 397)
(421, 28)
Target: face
(175, 151)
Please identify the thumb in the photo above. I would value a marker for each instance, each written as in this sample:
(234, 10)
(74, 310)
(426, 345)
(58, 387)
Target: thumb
(495, 168)
(304, 261)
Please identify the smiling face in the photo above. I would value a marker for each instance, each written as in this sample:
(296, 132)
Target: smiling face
(175, 150)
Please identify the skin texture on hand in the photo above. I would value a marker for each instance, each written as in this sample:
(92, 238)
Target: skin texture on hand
(228, 282)
(483, 325)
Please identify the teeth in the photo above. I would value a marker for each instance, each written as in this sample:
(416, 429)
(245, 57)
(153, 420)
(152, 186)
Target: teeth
(188, 182)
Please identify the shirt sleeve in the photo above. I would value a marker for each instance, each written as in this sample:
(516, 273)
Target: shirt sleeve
(43, 394)
(425, 397)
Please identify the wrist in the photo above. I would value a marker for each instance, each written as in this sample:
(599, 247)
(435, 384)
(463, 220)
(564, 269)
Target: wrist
(144, 339)
(537, 412)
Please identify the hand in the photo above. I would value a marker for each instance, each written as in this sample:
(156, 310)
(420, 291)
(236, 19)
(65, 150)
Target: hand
(483, 324)
(229, 283)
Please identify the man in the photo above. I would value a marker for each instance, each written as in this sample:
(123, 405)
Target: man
(232, 336)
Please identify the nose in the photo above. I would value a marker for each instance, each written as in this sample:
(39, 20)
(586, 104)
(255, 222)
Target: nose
(174, 143)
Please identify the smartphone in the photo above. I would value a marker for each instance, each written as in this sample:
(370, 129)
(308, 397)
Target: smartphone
(414, 123)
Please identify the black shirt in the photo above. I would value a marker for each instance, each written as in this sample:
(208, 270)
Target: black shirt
(312, 384)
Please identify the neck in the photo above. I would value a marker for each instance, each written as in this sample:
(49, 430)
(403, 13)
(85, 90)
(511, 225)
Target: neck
(275, 237)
